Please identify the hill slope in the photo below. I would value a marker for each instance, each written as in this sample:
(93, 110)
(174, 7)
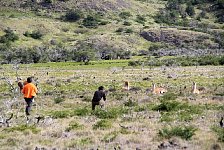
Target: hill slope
(118, 25)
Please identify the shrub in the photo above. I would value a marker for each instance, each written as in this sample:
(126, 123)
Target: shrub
(81, 111)
(126, 23)
(102, 124)
(58, 100)
(125, 15)
(36, 34)
(168, 96)
(167, 106)
(129, 30)
(73, 126)
(60, 114)
(140, 19)
(134, 63)
(130, 103)
(185, 132)
(190, 10)
(111, 113)
(110, 137)
(91, 22)
(9, 36)
(220, 132)
(120, 30)
(73, 15)
(23, 128)
(48, 1)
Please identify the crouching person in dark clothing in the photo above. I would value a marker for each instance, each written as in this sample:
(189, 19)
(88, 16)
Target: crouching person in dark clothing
(98, 95)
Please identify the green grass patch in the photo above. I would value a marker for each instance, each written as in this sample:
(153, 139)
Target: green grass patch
(74, 126)
(110, 137)
(111, 113)
(102, 124)
(80, 142)
(185, 132)
(60, 114)
(23, 128)
(174, 110)
(220, 132)
(85, 111)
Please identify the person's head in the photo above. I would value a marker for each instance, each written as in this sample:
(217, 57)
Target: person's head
(101, 88)
(29, 80)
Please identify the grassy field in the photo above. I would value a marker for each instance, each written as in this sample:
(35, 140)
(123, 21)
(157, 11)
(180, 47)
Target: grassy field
(131, 119)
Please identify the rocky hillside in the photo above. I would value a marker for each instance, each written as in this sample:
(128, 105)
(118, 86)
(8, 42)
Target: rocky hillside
(106, 29)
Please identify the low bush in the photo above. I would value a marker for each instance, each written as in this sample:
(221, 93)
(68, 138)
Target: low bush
(110, 137)
(74, 126)
(9, 36)
(23, 128)
(125, 15)
(36, 34)
(82, 111)
(60, 114)
(102, 124)
(111, 113)
(130, 103)
(220, 132)
(185, 132)
(58, 100)
(73, 15)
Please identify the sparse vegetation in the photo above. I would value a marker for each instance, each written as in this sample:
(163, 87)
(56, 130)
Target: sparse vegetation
(185, 132)
(70, 48)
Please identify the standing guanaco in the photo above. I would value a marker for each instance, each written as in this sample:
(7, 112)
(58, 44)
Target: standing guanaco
(126, 85)
(194, 89)
(158, 90)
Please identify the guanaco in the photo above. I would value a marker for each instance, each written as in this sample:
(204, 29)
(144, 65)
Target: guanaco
(158, 90)
(194, 89)
(126, 85)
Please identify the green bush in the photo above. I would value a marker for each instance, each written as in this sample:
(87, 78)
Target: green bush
(111, 113)
(110, 137)
(58, 100)
(126, 23)
(120, 30)
(129, 30)
(9, 36)
(134, 63)
(23, 128)
(125, 15)
(102, 124)
(140, 19)
(167, 106)
(81, 111)
(73, 15)
(91, 22)
(74, 126)
(60, 114)
(37, 34)
(185, 132)
(168, 96)
(220, 132)
(130, 103)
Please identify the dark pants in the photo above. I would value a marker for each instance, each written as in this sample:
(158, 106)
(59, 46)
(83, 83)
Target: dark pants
(94, 105)
(28, 106)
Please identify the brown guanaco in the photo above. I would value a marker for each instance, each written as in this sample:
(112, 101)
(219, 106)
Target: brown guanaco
(126, 85)
(158, 90)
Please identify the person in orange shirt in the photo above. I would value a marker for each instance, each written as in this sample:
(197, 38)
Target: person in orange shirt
(29, 92)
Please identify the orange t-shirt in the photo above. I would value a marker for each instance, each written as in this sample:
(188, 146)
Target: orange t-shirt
(29, 90)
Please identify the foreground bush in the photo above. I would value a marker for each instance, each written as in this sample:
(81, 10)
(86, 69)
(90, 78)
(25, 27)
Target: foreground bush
(182, 132)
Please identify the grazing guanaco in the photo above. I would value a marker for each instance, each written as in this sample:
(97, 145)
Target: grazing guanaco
(194, 89)
(158, 90)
